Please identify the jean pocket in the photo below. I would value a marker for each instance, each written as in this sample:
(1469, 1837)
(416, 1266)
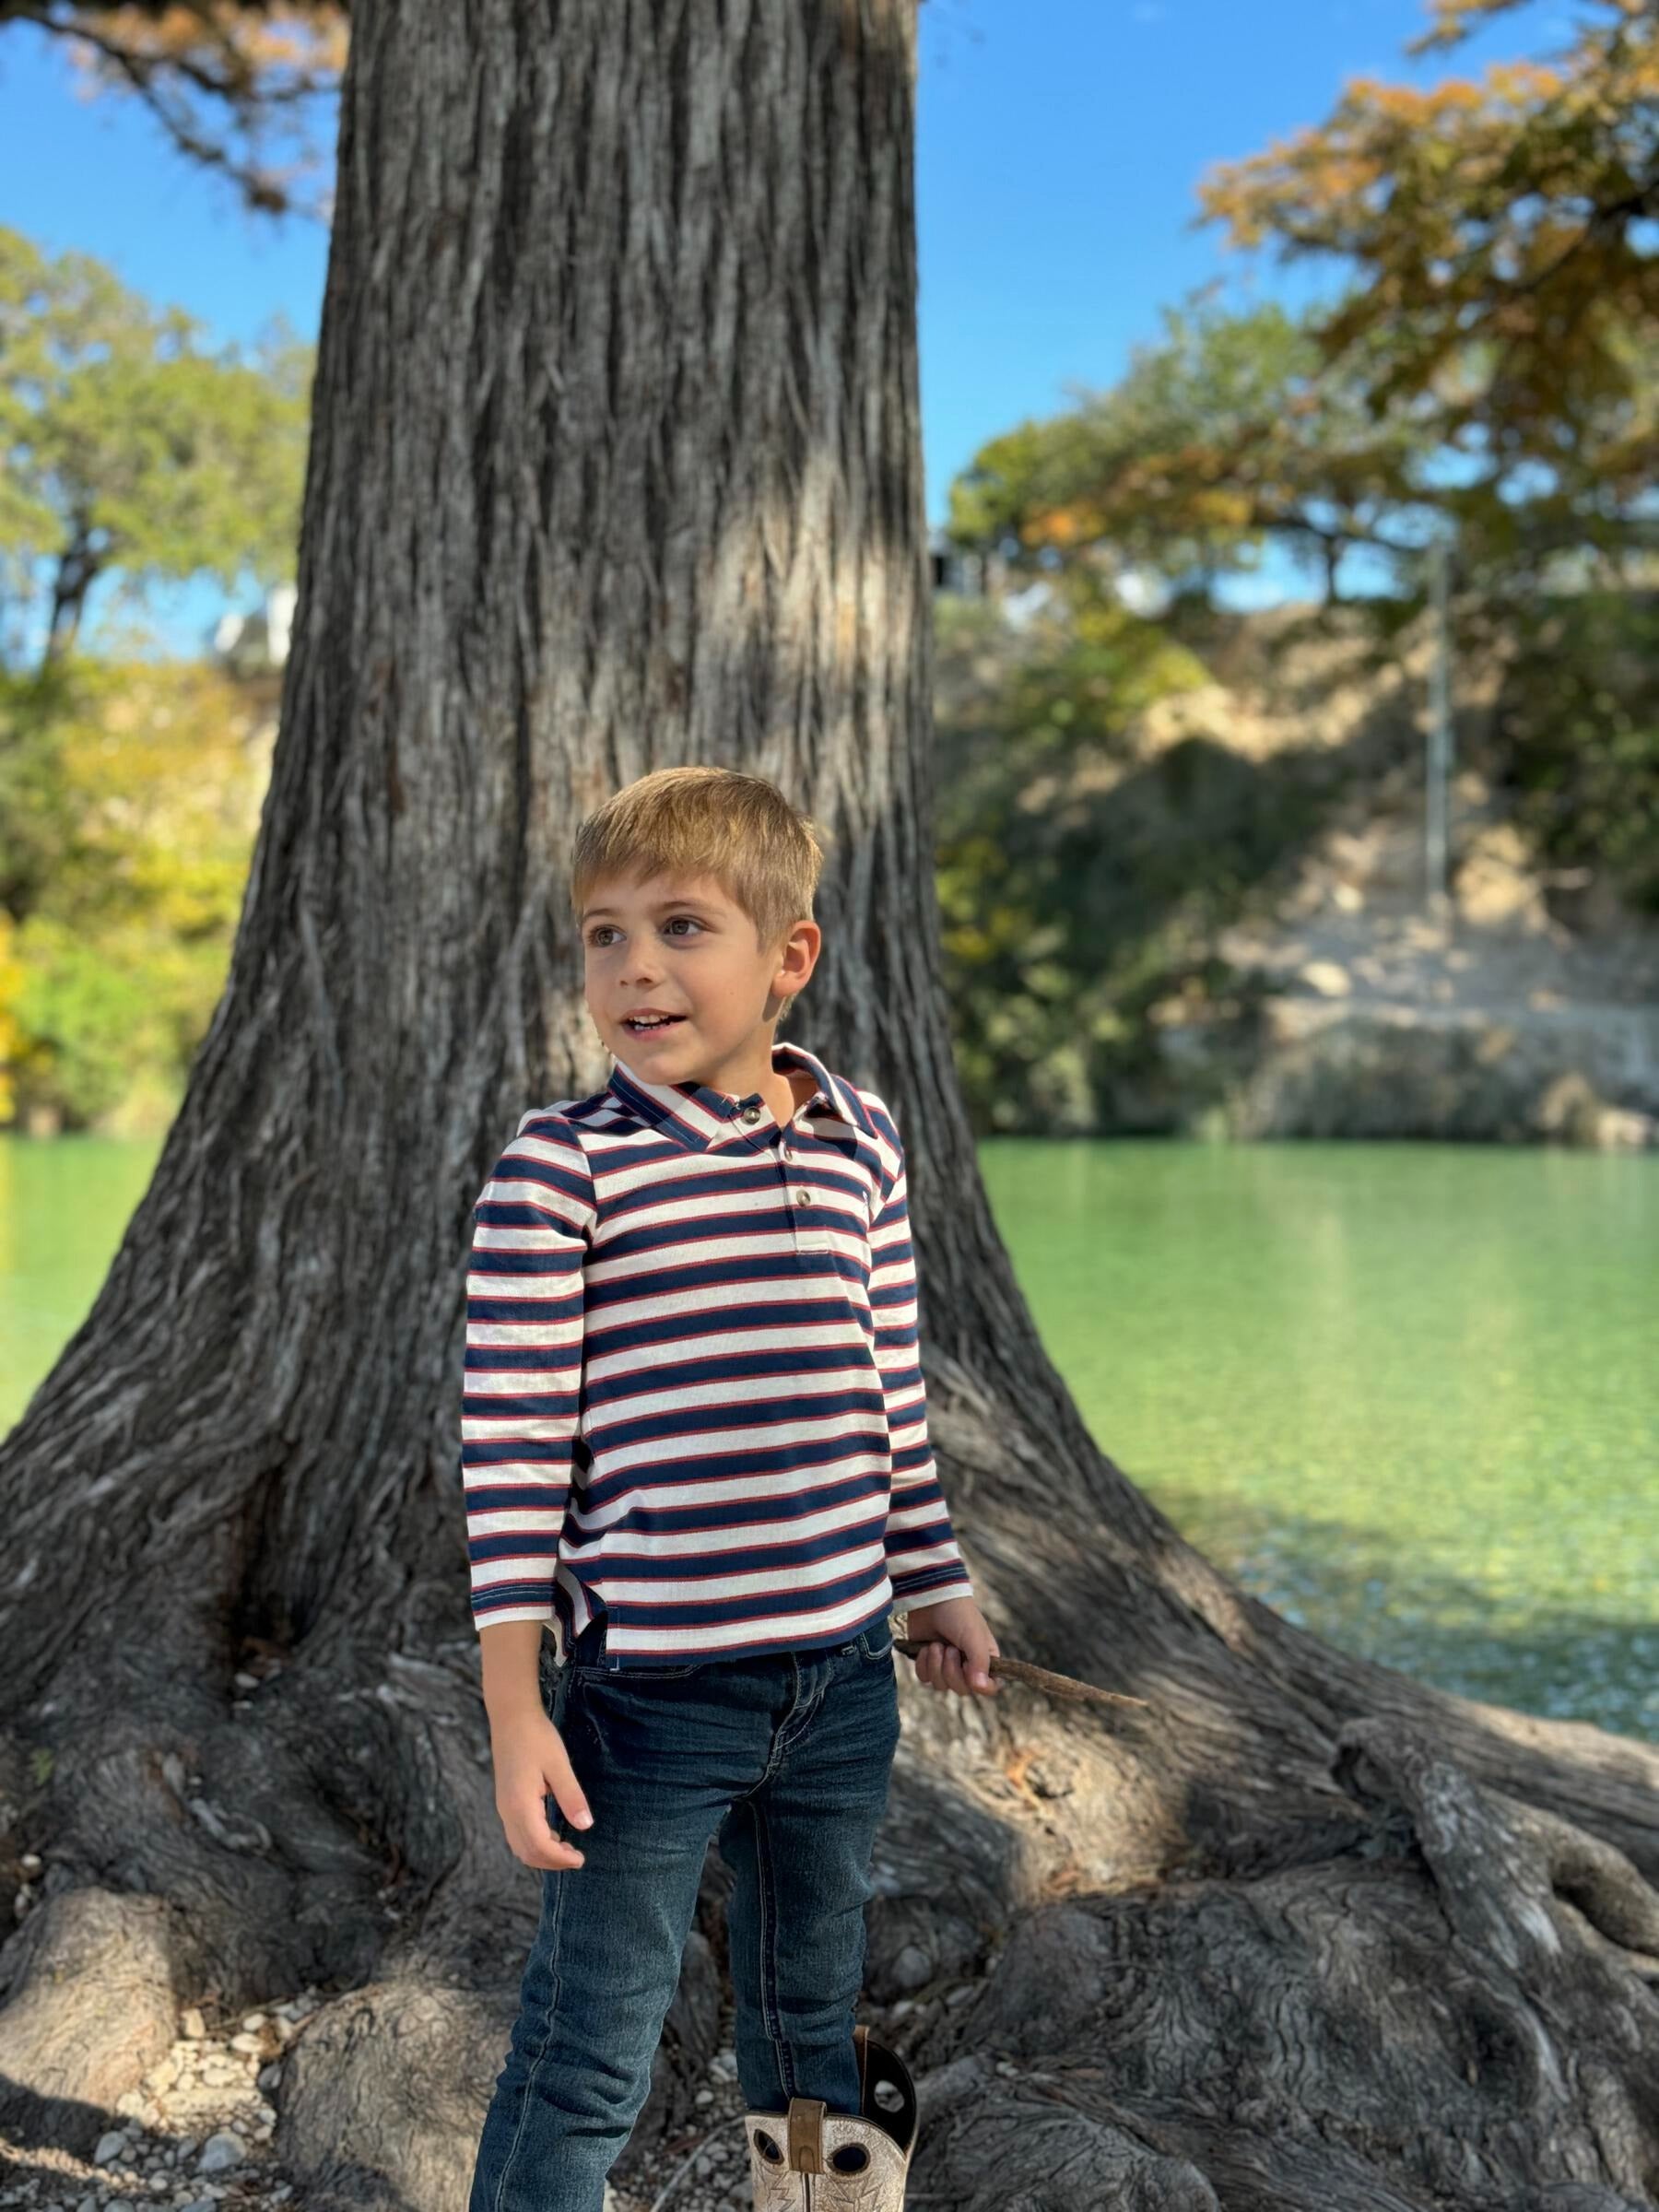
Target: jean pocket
(625, 1676)
(877, 1643)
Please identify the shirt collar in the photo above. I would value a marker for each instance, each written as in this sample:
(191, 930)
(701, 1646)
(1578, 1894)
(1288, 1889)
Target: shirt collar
(698, 1116)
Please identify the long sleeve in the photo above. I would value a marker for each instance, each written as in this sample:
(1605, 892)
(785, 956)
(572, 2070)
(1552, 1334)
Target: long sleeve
(924, 1561)
(521, 1388)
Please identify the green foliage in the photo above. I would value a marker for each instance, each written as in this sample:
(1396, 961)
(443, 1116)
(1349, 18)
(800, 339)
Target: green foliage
(131, 451)
(1229, 433)
(1577, 737)
(1235, 432)
(129, 800)
(39, 827)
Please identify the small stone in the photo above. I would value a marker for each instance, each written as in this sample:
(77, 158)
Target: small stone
(191, 2024)
(109, 2147)
(253, 2021)
(1329, 979)
(286, 2029)
(703, 2097)
(247, 2042)
(221, 2150)
(31, 1863)
(270, 2077)
(962, 1995)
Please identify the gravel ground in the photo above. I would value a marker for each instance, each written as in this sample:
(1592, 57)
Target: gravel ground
(196, 2134)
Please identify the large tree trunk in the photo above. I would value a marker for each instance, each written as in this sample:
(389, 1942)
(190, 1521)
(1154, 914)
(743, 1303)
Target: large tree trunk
(617, 463)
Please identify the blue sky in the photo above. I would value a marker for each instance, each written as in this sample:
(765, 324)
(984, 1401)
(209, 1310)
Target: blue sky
(1060, 144)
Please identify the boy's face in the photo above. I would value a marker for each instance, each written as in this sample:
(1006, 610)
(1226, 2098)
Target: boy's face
(679, 945)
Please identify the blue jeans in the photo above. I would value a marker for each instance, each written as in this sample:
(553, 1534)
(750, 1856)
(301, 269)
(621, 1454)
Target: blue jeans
(787, 1756)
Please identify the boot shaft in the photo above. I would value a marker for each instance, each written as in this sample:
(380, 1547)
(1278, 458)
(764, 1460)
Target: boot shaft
(811, 2159)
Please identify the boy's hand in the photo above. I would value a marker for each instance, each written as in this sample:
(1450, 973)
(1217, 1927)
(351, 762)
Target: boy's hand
(957, 1649)
(530, 1762)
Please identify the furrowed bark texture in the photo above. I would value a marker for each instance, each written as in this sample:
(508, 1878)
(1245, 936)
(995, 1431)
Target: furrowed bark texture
(617, 463)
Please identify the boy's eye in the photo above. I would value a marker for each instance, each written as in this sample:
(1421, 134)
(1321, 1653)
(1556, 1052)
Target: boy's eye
(600, 929)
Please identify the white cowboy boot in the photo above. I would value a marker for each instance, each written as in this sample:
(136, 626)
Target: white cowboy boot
(811, 2159)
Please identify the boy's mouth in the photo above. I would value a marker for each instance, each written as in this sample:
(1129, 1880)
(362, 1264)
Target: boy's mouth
(649, 1024)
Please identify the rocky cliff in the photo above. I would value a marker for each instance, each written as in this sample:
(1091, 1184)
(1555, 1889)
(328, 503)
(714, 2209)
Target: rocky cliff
(1530, 1011)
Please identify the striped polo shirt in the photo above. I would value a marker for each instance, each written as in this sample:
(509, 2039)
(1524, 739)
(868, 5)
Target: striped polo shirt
(693, 1397)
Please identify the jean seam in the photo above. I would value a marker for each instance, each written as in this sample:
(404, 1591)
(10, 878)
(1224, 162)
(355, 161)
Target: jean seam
(630, 1673)
(766, 1906)
(551, 2015)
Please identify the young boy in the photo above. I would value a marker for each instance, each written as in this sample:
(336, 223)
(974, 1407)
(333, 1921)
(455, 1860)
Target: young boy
(694, 1446)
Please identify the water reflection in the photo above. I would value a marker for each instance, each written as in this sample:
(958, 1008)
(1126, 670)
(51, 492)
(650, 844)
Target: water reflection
(1406, 1393)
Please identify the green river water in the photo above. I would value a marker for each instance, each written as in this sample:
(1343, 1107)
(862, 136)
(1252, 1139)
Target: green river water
(1408, 1393)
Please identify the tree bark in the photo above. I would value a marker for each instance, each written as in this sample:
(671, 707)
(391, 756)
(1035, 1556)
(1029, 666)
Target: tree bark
(616, 461)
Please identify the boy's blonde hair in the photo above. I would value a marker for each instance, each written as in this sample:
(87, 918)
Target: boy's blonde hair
(701, 820)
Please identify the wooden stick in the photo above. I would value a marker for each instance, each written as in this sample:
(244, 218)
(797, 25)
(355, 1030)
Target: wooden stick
(1064, 1686)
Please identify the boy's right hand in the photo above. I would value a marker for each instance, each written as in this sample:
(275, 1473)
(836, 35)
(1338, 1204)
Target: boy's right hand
(531, 1762)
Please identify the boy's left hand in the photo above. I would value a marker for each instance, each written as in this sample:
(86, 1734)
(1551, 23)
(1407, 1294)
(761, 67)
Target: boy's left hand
(957, 1647)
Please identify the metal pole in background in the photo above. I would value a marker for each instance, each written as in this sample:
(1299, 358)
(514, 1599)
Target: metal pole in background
(1437, 770)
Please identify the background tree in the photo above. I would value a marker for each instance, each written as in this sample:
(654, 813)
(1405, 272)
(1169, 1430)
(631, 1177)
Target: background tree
(616, 461)
(1222, 437)
(1491, 354)
(1501, 235)
(129, 451)
(242, 86)
(129, 797)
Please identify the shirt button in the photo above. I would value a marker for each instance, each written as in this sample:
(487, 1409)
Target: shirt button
(802, 1197)
(750, 1113)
